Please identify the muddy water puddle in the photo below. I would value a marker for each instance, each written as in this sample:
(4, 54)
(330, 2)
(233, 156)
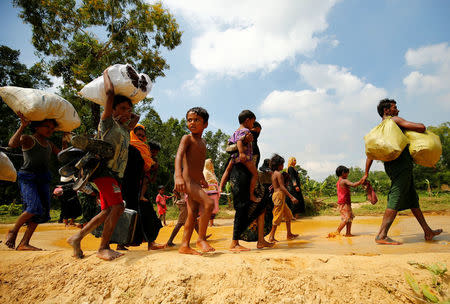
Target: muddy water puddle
(312, 236)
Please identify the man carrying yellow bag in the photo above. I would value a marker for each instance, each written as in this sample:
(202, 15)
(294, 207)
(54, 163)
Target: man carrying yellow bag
(402, 194)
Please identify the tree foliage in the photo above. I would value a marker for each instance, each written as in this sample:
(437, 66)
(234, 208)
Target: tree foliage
(82, 38)
(215, 149)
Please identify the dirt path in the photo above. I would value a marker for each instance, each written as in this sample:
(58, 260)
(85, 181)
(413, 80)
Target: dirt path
(312, 269)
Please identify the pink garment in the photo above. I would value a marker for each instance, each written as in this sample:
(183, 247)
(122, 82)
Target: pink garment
(161, 199)
(343, 193)
(214, 195)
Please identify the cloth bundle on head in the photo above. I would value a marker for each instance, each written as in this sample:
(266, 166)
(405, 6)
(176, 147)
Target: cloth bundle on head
(142, 147)
(37, 105)
(291, 161)
(126, 82)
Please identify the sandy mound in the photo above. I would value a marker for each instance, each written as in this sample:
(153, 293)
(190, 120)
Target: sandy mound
(297, 274)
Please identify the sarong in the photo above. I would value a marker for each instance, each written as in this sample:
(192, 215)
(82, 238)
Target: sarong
(281, 211)
(346, 212)
(402, 194)
(35, 191)
(247, 212)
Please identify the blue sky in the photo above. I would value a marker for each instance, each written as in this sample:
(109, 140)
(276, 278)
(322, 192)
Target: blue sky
(312, 71)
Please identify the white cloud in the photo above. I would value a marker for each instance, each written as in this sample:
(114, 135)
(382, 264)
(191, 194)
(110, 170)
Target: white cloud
(322, 127)
(239, 37)
(432, 75)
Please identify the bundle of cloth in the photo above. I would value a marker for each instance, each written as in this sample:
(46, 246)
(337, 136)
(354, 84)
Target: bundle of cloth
(127, 82)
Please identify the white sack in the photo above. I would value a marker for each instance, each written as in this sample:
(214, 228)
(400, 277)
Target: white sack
(37, 105)
(123, 85)
(7, 170)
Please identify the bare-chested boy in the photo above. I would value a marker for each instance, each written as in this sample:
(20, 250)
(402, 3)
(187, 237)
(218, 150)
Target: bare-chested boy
(189, 178)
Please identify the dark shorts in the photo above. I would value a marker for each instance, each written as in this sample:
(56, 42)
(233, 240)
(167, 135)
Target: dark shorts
(35, 191)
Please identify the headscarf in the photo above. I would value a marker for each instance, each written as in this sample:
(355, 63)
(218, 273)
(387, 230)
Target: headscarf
(291, 161)
(142, 147)
(210, 176)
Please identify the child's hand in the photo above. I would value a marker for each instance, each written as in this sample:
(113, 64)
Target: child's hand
(294, 200)
(180, 185)
(23, 121)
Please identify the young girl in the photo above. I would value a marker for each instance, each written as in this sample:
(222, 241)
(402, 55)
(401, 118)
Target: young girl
(344, 201)
(161, 202)
(33, 177)
(243, 138)
(281, 211)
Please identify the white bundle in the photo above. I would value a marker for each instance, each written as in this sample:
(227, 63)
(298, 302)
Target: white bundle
(126, 82)
(37, 105)
(7, 170)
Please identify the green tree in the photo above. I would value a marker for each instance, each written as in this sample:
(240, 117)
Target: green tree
(79, 39)
(215, 149)
(168, 134)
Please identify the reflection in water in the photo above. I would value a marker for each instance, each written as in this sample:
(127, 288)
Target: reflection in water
(313, 232)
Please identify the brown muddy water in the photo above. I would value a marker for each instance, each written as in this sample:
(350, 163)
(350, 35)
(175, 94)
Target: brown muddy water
(312, 236)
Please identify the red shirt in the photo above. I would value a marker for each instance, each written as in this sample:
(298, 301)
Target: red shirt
(343, 193)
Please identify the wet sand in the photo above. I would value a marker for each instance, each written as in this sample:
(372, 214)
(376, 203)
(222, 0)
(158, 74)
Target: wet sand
(310, 269)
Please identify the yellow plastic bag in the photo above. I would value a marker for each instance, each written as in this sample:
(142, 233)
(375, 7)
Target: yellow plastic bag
(425, 148)
(385, 142)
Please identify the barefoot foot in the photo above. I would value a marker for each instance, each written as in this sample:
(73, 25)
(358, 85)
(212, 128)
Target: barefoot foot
(429, 236)
(11, 239)
(349, 235)
(74, 241)
(239, 248)
(121, 247)
(188, 250)
(291, 236)
(387, 241)
(170, 245)
(27, 247)
(204, 246)
(264, 244)
(108, 254)
(273, 240)
(156, 246)
(333, 234)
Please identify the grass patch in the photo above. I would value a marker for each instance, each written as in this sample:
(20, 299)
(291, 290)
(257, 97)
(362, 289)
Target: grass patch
(437, 203)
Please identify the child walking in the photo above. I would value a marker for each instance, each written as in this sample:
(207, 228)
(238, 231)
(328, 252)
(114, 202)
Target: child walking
(344, 201)
(243, 138)
(116, 122)
(281, 211)
(189, 178)
(162, 205)
(33, 178)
